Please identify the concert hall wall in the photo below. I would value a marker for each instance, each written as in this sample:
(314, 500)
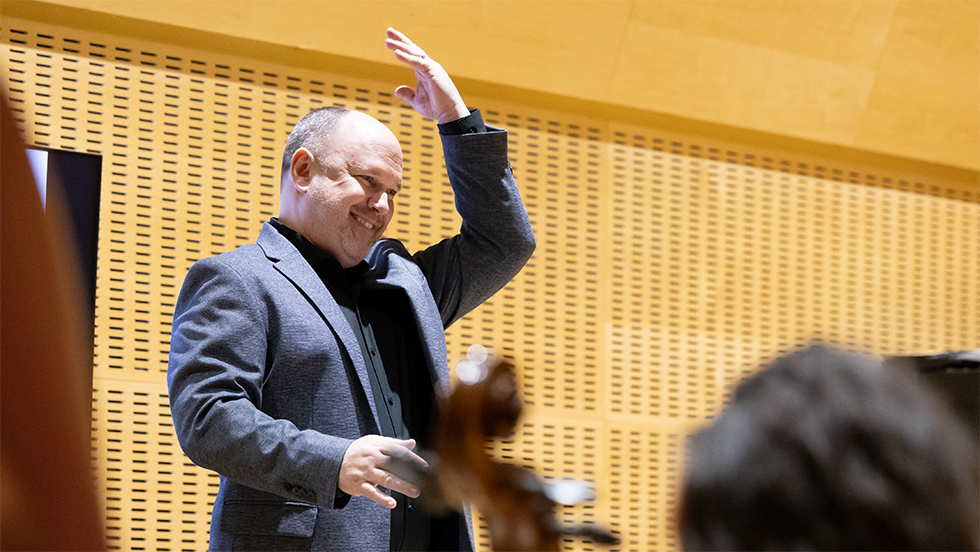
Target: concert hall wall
(670, 263)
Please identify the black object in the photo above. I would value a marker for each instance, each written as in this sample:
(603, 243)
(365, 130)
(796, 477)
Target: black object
(954, 375)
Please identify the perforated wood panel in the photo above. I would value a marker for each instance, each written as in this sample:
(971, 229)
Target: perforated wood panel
(668, 266)
(155, 498)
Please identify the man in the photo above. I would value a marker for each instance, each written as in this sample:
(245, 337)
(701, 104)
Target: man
(830, 451)
(300, 363)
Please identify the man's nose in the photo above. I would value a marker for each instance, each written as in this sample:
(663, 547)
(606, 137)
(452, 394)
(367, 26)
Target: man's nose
(381, 203)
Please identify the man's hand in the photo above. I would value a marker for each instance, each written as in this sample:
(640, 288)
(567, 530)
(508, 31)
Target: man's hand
(364, 468)
(434, 96)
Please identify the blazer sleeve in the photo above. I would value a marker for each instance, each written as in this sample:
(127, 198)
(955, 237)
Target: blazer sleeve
(495, 239)
(215, 376)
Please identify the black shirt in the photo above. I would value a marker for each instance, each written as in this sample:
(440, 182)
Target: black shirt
(386, 330)
(401, 385)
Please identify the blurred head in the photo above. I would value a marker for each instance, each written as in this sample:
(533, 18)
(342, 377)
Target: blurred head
(828, 451)
(341, 171)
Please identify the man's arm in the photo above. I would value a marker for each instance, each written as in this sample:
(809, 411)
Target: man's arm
(496, 238)
(216, 375)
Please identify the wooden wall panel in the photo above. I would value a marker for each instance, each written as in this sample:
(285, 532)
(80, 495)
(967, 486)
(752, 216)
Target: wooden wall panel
(899, 77)
(668, 266)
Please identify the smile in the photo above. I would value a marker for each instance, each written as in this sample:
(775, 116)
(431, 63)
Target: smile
(366, 224)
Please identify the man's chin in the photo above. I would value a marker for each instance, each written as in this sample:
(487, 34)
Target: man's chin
(355, 257)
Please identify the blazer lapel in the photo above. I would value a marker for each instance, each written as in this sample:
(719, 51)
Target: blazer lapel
(394, 272)
(291, 264)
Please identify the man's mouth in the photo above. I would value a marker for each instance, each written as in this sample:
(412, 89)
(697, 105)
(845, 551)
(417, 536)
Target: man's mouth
(366, 224)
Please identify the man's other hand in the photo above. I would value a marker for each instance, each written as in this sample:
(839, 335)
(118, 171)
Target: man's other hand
(364, 468)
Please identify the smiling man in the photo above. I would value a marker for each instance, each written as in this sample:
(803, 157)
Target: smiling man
(341, 172)
(299, 364)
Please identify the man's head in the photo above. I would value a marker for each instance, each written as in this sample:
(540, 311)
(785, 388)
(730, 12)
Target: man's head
(828, 451)
(341, 171)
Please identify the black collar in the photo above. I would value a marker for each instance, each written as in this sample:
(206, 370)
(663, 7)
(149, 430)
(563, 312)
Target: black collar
(326, 266)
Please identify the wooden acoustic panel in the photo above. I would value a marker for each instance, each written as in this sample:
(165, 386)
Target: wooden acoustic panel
(668, 266)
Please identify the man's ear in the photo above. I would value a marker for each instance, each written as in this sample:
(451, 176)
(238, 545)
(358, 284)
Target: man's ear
(301, 169)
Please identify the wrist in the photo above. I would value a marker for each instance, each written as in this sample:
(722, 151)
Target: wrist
(470, 124)
(455, 114)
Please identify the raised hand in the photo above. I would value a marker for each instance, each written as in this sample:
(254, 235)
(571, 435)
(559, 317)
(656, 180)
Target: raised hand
(434, 96)
(364, 468)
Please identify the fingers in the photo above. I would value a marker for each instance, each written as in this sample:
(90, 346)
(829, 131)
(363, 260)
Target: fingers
(406, 453)
(405, 50)
(386, 479)
(395, 34)
(371, 492)
(434, 96)
(416, 61)
(397, 40)
(406, 93)
(363, 469)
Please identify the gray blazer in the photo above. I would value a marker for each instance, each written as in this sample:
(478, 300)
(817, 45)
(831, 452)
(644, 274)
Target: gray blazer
(267, 383)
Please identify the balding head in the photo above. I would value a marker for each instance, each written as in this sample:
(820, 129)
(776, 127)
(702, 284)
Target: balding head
(338, 191)
(312, 132)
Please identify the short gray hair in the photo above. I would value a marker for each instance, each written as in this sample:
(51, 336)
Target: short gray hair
(312, 132)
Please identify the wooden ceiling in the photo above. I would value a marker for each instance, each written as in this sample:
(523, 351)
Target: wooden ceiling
(896, 77)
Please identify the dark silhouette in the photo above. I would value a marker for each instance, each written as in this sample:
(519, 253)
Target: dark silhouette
(824, 450)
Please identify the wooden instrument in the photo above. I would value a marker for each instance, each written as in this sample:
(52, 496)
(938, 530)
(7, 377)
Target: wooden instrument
(486, 404)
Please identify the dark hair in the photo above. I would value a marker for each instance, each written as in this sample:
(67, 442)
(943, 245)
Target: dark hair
(312, 132)
(830, 451)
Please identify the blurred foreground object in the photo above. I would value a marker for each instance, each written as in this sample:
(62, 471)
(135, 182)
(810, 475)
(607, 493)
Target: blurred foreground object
(518, 506)
(830, 451)
(47, 491)
(955, 375)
